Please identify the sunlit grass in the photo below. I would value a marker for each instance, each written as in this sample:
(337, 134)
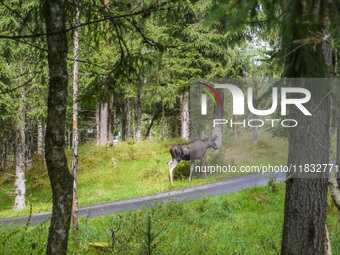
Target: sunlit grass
(131, 170)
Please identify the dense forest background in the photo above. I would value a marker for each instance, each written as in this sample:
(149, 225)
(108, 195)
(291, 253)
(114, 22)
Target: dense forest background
(100, 71)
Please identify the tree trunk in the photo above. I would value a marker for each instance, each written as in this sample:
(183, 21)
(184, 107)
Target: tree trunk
(185, 116)
(163, 121)
(309, 141)
(98, 124)
(103, 124)
(75, 124)
(29, 141)
(5, 153)
(125, 120)
(255, 132)
(59, 174)
(138, 112)
(337, 180)
(111, 119)
(128, 127)
(234, 126)
(148, 132)
(44, 147)
(104, 112)
(40, 138)
(20, 188)
(255, 129)
(218, 114)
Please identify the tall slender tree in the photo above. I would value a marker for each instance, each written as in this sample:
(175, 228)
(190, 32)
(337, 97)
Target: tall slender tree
(75, 122)
(138, 110)
(20, 187)
(59, 174)
(185, 115)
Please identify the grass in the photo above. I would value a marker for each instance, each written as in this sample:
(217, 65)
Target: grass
(131, 170)
(247, 222)
(241, 152)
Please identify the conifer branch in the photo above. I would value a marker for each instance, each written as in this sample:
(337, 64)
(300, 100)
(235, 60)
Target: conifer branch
(15, 37)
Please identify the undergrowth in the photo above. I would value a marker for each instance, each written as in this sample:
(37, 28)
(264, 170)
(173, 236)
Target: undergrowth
(131, 170)
(247, 222)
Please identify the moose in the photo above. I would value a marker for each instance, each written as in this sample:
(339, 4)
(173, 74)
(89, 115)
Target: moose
(193, 150)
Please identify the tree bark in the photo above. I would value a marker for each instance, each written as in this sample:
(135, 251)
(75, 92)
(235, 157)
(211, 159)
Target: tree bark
(128, 127)
(334, 181)
(338, 156)
(234, 127)
(125, 118)
(98, 124)
(255, 129)
(29, 141)
(103, 124)
(59, 174)
(218, 114)
(309, 142)
(75, 124)
(5, 153)
(138, 112)
(20, 188)
(40, 138)
(111, 119)
(185, 116)
(148, 132)
(163, 121)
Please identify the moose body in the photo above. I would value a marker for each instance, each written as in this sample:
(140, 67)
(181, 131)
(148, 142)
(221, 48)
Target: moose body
(193, 150)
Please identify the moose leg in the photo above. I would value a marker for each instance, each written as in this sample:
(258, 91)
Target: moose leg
(203, 165)
(170, 162)
(171, 169)
(191, 169)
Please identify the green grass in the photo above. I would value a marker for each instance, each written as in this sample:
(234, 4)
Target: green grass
(131, 170)
(247, 222)
(241, 152)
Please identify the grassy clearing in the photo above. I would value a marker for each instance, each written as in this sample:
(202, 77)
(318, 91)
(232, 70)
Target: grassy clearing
(247, 222)
(130, 170)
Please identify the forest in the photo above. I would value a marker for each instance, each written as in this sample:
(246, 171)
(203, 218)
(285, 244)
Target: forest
(94, 93)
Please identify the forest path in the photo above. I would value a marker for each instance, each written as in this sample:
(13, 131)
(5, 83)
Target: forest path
(187, 194)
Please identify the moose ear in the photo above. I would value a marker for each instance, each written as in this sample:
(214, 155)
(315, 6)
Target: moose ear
(214, 137)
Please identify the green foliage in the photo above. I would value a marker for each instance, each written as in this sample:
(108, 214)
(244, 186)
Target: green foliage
(272, 183)
(125, 171)
(197, 49)
(182, 171)
(163, 43)
(247, 222)
(23, 67)
(134, 169)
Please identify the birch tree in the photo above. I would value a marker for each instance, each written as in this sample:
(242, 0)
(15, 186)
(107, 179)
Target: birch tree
(20, 188)
(75, 123)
